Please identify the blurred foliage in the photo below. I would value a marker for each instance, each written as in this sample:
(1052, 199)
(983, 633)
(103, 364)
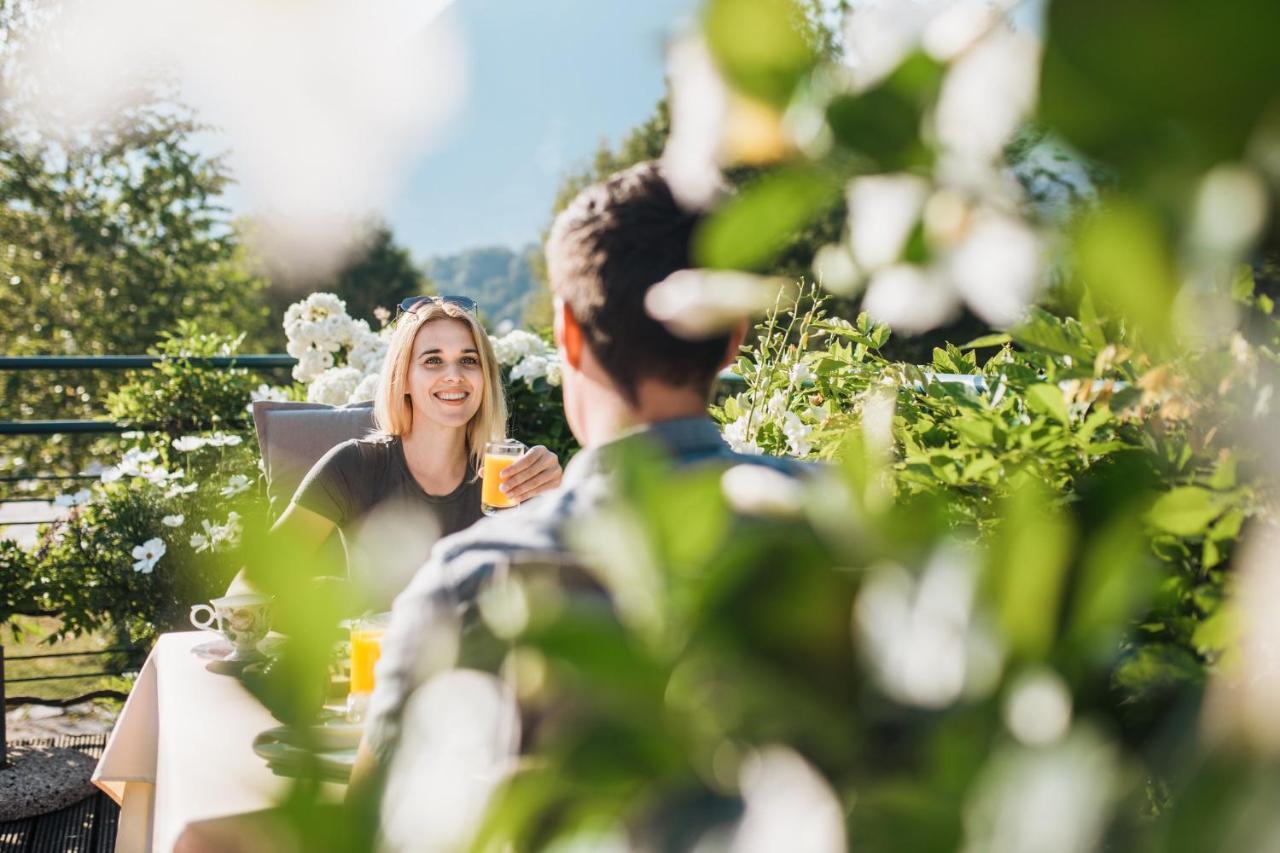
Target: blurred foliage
(111, 234)
(176, 396)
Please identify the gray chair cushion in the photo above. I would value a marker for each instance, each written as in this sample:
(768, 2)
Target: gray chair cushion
(293, 437)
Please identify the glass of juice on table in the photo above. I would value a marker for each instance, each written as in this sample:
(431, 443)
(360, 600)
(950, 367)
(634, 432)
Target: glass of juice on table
(497, 456)
(366, 648)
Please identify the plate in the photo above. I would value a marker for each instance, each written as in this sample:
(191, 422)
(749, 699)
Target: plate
(335, 740)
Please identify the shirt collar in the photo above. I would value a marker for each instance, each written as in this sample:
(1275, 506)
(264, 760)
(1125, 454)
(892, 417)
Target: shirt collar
(681, 438)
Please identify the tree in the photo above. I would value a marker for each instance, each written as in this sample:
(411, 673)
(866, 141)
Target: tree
(379, 275)
(111, 234)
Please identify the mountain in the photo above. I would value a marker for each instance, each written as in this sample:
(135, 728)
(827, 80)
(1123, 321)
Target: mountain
(499, 279)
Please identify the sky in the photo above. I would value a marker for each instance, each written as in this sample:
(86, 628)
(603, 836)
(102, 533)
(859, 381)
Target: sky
(548, 81)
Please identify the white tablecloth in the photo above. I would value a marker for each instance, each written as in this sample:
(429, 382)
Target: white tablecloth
(181, 750)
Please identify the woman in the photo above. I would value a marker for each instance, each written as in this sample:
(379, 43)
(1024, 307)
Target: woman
(439, 400)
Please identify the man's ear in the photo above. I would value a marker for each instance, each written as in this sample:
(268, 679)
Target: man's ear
(737, 335)
(568, 336)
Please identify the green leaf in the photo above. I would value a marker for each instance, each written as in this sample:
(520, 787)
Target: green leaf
(1046, 333)
(1224, 474)
(751, 229)
(1127, 264)
(1228, 527)
(1048, 400)
(1026, 569)
(975, 429)
(1185, 511)
(759, 47)
(994, 340)
(883, 123)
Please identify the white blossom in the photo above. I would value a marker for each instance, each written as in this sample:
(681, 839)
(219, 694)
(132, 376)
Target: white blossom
(759, 490)
(311, 364)
(365, 390)
(514, 346)
(236, 484)
(223, 439)
(147, 554)
(801, 373)
(335, 386)
(797, 433)
(531, 367)
(173, 520)
(79, 498)
(553, 373)
(111, 474)
(740, 439)
(217, 535)
(268, 392)
(175, 490)
(188, 443)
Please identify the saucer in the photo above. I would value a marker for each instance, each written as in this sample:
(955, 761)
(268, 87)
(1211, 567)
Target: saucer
(218, 649)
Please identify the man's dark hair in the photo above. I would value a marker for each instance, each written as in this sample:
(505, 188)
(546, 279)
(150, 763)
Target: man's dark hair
(613, 242)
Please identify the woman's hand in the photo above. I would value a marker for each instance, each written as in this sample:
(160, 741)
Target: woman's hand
(537, 471)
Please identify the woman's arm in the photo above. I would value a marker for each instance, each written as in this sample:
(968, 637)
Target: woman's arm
(537, 471)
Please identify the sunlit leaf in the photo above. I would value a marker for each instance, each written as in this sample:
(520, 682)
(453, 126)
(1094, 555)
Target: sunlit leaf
(751, 229)
(1185, 511)
(1048, 400)
(759, 47)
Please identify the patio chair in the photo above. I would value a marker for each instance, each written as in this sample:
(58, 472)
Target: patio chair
(293, 437)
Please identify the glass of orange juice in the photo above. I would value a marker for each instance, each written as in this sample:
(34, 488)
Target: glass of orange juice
(366, 648)
(497, 456)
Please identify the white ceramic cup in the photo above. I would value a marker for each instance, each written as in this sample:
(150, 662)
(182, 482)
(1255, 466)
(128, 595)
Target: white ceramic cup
(242, 619)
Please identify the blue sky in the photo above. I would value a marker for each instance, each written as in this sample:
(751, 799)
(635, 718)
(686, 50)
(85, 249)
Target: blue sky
(548, 81)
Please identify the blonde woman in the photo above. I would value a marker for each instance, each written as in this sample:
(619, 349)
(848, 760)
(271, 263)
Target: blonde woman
(439, 400)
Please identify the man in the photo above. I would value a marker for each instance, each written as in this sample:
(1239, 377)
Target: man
(624, 375)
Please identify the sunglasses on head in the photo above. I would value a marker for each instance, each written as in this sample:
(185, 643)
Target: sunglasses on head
(408, 306)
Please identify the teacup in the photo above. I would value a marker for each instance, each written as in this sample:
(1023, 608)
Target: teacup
(242, 619)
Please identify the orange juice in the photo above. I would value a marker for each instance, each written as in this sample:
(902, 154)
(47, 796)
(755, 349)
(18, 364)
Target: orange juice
(491, 495)
(366, 648)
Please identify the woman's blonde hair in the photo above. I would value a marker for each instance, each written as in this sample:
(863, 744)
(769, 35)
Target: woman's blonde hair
(392, 409)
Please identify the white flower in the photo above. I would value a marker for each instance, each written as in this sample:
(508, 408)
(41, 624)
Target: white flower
(147, 554)
(311, 364)
(176, 490)
(335, 386)
(922, 637)
(267, 392)
(777, 403)
(236, 484)
(910, 299)
(519, 344)
(797, 433)
(188, 443)
(531, 367)
(111, 474)
(80, 498)
(739, 439)
(759, 490)
(883, 209)
(159, 476)
(216, 535)
(553, 373)
(366, 390)
(697, 304)
(173, 520)
(222, 439)
(789, 806)
(801, 373)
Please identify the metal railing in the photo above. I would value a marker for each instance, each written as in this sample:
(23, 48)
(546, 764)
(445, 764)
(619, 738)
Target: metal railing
(72, 427)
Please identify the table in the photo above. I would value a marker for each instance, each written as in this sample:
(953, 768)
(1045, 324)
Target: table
(182, 749)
